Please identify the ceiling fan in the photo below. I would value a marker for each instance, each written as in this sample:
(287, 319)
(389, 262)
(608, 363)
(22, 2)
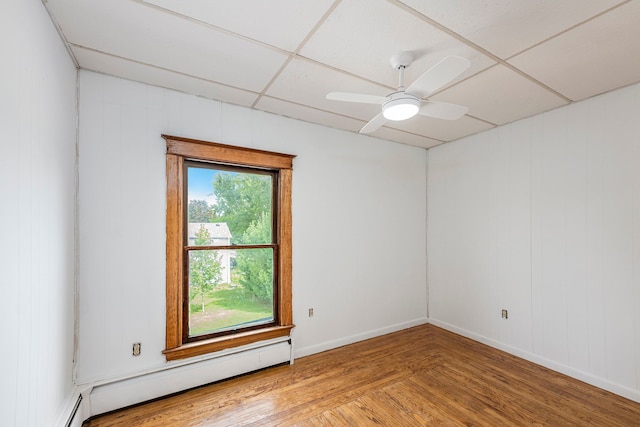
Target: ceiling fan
(406, 103)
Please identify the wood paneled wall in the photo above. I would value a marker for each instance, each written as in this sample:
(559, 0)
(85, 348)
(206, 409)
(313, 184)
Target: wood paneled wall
(542, 217)
(37, 216)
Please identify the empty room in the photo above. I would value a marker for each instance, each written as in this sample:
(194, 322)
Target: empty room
(320, 212)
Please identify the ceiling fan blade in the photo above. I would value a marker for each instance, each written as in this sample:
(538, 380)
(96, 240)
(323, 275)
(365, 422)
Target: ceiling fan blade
(356, 97)
(374, 124)
(438, 75)
(442, 110)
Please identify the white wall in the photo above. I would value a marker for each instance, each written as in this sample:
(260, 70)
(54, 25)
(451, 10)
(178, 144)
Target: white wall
(37, 184)
(359, 207)
(542, 217)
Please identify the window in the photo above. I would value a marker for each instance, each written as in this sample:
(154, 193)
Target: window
(228, 246)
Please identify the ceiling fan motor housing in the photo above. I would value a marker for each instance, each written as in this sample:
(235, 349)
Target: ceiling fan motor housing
(400, 106)
(401, 60)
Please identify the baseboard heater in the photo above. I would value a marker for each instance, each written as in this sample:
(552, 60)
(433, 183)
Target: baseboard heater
(71, 422)
(172, 379)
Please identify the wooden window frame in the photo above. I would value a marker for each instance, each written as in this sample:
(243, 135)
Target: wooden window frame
(180, 150)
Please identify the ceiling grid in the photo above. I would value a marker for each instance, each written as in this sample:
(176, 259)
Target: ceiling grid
(285, 56)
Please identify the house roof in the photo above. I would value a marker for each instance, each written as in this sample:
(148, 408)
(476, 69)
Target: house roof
(217, 230)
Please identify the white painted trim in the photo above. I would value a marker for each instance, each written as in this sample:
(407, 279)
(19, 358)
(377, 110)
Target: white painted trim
(329, 345)
(426, 229)
(588, 378)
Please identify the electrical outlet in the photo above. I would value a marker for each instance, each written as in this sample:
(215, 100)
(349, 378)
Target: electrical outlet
(505, 314)
(311, 312)
(137, 349)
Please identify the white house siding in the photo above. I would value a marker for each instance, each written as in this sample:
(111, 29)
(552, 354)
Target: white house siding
(219, 235)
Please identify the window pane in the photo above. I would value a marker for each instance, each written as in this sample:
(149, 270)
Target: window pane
(229, 289)
(228, 207)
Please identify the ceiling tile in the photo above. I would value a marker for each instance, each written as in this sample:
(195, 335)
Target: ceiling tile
(247, 17)
(443, 130)
(506, 27)
(598, 56)
(136, 31)
(135, 71)
(288, 109)
(308, 83)
(405, 137)
(360, 37)
(500, 95)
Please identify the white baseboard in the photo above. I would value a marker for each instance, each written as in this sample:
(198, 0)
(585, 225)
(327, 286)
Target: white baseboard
(329, 345)
(173, 379)
(586, 377)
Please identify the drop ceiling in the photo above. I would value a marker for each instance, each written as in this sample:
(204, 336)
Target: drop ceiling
(284, 56)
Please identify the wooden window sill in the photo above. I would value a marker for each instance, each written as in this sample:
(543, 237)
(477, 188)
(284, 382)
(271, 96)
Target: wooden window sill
(199, 348)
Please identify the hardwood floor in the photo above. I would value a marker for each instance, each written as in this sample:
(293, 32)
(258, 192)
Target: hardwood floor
(419, 376)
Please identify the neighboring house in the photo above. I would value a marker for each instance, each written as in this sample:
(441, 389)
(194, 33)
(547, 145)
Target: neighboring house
(219, 235)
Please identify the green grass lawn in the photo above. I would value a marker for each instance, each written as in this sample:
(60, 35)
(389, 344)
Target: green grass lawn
(226, 306)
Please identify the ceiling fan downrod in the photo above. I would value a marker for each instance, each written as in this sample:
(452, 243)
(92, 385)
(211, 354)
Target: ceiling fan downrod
(401, 77)
(399, 62)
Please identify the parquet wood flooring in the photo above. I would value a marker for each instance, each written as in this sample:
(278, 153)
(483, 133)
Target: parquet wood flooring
(416, 377)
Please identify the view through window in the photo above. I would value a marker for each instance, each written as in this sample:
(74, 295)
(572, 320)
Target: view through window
(230, 248)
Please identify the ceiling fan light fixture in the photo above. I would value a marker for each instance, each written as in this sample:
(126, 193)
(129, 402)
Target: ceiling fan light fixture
(401, 108)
